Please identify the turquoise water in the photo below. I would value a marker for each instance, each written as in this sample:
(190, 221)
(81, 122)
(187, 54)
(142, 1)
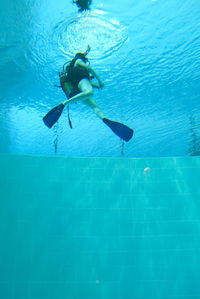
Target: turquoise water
(77, 220)
(88, 228)
(146, 52)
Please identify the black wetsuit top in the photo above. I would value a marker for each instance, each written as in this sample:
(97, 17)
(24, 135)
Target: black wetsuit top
(74, 74)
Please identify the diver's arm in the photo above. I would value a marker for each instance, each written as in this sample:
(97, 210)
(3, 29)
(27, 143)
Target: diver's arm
(88, 67)
(101, 84)
(95, 85)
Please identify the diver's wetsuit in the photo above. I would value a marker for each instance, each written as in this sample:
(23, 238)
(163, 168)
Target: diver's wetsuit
(70, 79)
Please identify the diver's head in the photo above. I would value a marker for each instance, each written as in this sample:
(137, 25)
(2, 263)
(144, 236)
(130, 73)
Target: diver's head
(81, 56)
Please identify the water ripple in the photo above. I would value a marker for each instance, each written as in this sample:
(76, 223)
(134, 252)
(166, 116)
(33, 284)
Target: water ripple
(104, 35)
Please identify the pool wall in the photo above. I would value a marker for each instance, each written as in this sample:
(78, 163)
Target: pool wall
(85, 228)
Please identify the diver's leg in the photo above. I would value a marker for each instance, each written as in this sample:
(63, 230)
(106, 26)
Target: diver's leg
(67, 87)
(89, 100)
(91, 103)
(86, 92)
(86, 96)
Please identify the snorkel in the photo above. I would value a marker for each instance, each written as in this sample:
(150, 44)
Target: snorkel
(87, 51)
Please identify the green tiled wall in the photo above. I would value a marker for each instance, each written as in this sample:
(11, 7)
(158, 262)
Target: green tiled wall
(99, 228)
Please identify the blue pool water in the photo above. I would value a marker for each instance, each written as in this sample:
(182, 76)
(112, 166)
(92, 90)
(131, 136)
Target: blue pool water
(77, 220)
(103, 228)
(146, 52)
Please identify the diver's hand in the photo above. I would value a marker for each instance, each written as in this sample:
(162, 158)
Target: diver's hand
(101, 84)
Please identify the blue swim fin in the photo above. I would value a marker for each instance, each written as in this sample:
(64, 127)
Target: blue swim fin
(53, 115)
(121, 130)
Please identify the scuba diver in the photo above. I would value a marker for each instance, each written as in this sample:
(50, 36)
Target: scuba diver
(76, 82)
(83, 4)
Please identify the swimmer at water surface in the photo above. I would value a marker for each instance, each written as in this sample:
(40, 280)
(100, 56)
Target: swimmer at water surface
(83, 4)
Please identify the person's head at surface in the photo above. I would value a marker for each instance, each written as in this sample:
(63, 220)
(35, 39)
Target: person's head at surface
(83, 4)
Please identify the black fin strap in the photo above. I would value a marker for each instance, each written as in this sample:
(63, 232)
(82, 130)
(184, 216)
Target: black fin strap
(69, 120)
